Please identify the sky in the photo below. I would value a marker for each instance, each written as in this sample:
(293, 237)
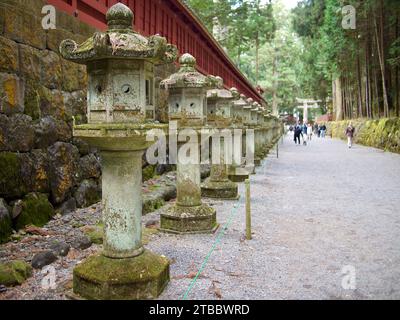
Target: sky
(289, 3)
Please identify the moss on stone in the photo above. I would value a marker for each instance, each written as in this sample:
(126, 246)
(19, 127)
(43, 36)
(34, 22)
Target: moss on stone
(148, 172)
(5, 229)
(147, 233)
(151, 205)
(10, 176)
(141, 277)
(94, 233)
(36, 210)
(14, 273)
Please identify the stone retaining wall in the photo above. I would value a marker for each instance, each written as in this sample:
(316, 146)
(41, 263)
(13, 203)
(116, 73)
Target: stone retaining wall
(39, 94)
(383, 134)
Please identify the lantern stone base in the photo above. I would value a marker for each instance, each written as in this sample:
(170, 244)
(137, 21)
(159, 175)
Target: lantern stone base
(182, 220)
(238, 174)
(257, 162)
(226, 190)
(139, 278)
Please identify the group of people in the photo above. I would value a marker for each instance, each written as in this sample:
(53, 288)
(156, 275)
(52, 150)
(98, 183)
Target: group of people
(306, 131)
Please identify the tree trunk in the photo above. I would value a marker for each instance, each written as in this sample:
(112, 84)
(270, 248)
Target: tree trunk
(257, 58)
(382, 65)
(275, 76)
(359, 89)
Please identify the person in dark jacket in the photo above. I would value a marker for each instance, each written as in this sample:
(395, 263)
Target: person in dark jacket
(323, 130)
(298, 131)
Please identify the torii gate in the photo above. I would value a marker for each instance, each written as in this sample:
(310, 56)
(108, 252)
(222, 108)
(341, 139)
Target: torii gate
(307, 103)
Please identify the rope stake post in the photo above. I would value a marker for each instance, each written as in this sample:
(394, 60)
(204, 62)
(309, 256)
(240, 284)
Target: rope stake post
(248, 210)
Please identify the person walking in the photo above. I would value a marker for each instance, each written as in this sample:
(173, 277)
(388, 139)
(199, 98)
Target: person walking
(350, 135)
(309, 132)
(297, 133)
(323, 130)
(316, 129)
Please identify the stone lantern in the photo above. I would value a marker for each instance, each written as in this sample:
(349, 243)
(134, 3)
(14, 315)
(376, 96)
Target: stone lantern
(187, 104)
(254, 113)
(268, 118)
(219, 106)
(186, 96)
(247, 112)
(237, 109)
(120, 68)
(236, 172)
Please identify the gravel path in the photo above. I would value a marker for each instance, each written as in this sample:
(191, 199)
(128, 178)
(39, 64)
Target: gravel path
(316, 210)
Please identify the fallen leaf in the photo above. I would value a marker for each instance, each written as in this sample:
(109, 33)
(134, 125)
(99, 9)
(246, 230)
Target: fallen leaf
(36, 230)
(73, 254)
(215, 290)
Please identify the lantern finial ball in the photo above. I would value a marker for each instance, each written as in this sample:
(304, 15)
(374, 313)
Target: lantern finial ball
(119, 16)
(187, 60)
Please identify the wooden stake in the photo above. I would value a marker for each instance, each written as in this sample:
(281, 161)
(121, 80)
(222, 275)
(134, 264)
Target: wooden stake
(248, 210)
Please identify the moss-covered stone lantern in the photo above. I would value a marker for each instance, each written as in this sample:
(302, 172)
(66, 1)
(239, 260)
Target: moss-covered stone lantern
(187, 93)
(120, 67)
(237, 108)
(237, 172)
(187, 103)
(219, 106)
(247, 112)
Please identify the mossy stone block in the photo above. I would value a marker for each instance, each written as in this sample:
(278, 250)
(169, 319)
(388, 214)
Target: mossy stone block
(5, 222)
(36, 210)
(139, 278)
(14, 273)
(11, 184)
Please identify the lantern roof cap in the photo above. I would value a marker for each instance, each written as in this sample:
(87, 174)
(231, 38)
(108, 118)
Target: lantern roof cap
(119, 41)
(220, 93)
(188, 77)
(235, 93)
(240, 102)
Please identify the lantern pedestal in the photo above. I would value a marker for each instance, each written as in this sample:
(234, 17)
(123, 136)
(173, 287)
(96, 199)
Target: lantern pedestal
(189, 214)
(124, 270)
(218, 185)
(224, 190)
(238, 174)
(187, 220)
(103, 278)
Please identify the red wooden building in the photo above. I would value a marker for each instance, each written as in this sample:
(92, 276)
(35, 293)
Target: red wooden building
(175, 21)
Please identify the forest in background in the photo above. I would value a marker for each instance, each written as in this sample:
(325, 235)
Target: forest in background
(306, 52)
